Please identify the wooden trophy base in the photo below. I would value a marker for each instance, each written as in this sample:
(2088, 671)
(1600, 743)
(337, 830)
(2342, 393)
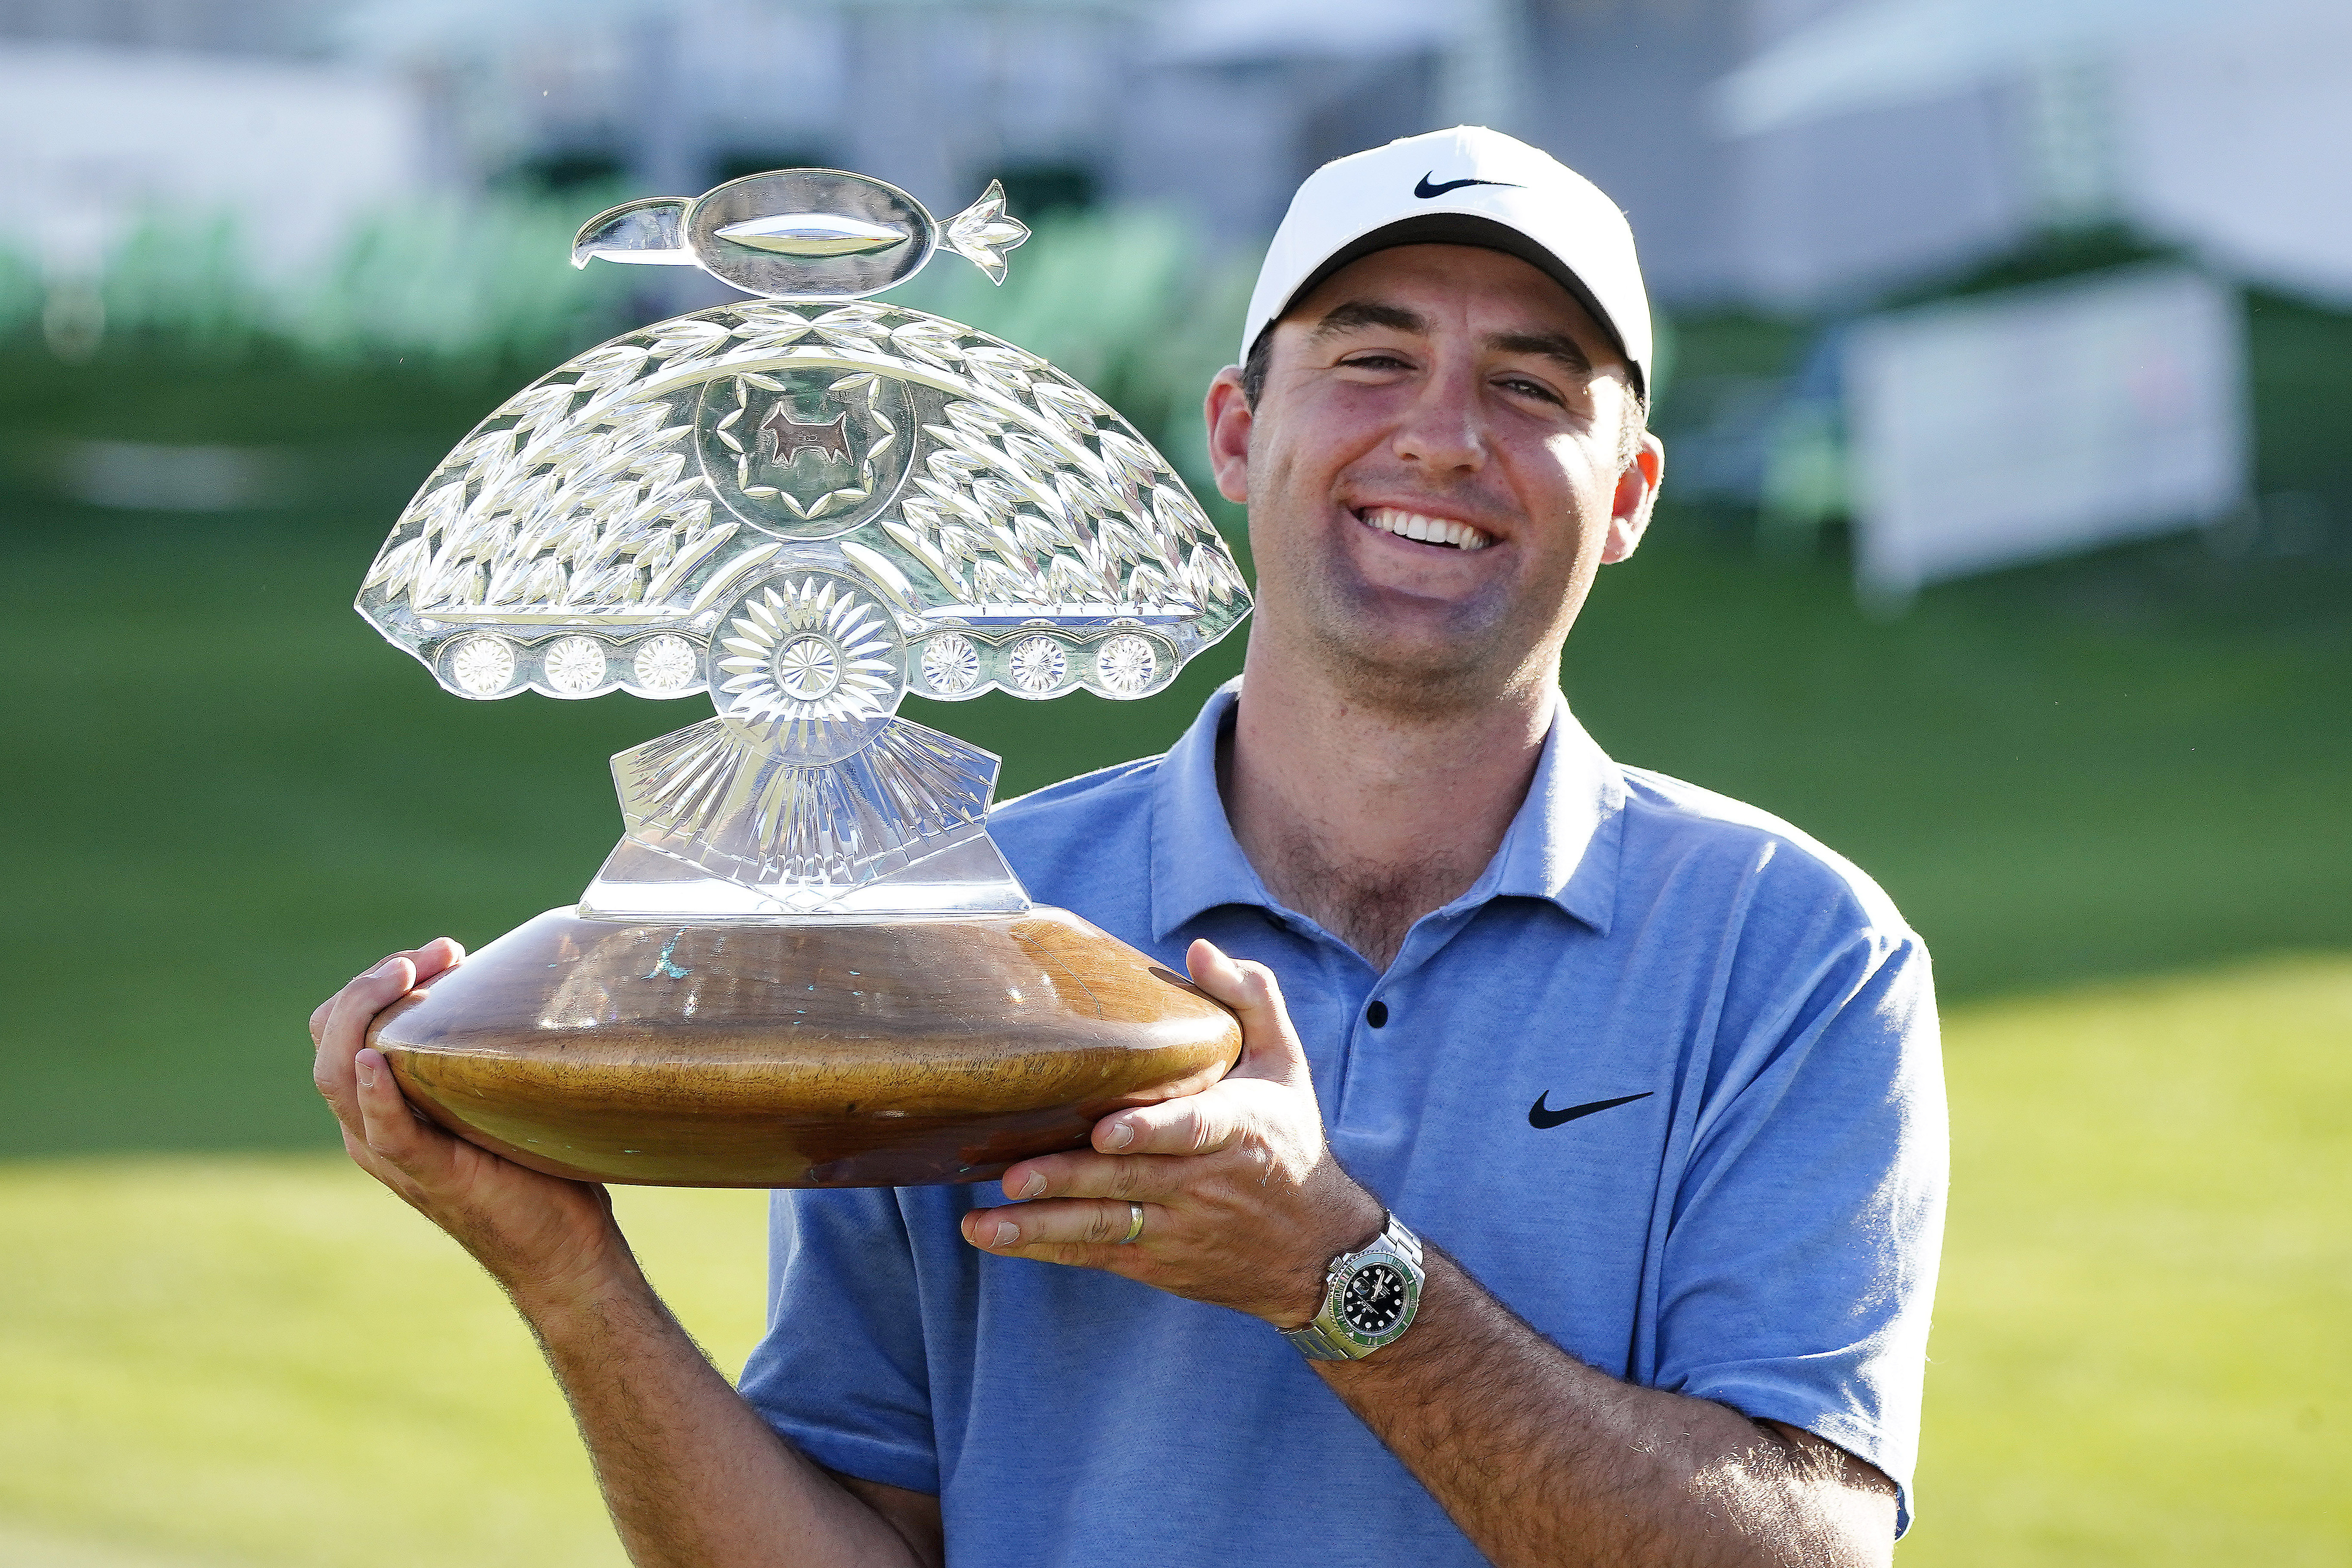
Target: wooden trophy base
(833, 1053)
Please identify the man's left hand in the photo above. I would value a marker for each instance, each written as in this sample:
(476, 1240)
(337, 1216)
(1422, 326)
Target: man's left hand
(1244, 1205)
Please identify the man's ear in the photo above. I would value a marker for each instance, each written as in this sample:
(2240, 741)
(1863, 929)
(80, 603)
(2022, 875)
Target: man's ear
(1227, 415)
(1637, 493)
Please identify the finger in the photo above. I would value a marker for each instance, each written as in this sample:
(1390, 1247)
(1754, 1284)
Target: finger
(1270, 1046)
(1078, 1224)
(324, 1011)
(443, 953)
(343, 1019)
(1143, 1177)
(353, 1008)
(391, 1131)
(1195, 1124)
(440, 955)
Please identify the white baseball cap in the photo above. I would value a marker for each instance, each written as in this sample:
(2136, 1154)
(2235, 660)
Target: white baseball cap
(1468, 186)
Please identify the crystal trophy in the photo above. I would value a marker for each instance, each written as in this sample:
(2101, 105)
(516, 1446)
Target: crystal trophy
(805, 964)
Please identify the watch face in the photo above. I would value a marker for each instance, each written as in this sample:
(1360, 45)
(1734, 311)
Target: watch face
(1375, 1299)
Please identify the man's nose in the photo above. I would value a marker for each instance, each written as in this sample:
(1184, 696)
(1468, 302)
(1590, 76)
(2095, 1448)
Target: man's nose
(1442, 431)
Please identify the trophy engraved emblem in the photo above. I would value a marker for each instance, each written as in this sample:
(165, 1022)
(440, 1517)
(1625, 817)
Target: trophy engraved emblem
(810, 454)
(805, 505)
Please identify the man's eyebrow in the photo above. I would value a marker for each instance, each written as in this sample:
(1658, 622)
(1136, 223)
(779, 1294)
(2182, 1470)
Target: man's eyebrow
(1356, 313)
(1549, 345)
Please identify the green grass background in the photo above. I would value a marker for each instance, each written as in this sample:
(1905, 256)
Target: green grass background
(2109, 793)
(2138, 1356)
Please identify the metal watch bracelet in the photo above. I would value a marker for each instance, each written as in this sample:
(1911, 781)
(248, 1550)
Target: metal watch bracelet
(1329, 1336)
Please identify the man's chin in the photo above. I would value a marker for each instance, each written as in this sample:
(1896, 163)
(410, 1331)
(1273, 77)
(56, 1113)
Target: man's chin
(1403, 674)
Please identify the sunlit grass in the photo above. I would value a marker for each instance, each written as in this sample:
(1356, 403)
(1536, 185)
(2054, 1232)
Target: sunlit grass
(269, 1359)
(2138, 1354)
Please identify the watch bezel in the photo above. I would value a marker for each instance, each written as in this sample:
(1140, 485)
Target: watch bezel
(1333, 1320)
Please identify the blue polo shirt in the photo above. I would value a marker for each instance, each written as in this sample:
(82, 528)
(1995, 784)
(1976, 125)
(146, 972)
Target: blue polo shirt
(1759, 1226)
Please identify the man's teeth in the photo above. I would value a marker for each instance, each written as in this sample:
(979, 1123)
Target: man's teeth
(1428, 529)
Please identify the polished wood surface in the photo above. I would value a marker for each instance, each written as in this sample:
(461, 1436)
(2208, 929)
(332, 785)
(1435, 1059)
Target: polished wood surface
(813, 1054)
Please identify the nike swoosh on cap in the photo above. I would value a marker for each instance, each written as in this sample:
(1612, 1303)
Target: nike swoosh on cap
(1542, 1115)
(1425, 189)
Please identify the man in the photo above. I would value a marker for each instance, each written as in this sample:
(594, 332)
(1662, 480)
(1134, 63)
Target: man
(1651, 1076)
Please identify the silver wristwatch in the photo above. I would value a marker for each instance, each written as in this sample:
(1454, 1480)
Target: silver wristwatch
(1369, 1298)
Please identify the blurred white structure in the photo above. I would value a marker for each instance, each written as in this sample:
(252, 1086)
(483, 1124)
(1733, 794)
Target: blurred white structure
(292, 151)
(2237, 136)
(1783, 153)
(2219, 125)
(1806, 155)
(1997, 430)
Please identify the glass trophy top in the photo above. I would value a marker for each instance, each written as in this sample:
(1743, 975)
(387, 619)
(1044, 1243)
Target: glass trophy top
(802, 234)
(806, 505)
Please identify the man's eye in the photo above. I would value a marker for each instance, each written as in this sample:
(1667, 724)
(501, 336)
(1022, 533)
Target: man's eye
(1525, 388)
(1373, 362)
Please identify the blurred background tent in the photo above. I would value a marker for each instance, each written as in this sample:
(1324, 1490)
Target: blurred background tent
(1962, 276)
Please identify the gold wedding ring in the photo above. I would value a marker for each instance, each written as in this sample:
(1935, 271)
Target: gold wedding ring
(1134, 1223)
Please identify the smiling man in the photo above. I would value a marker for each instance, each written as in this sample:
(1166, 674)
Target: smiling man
(1577, 1197)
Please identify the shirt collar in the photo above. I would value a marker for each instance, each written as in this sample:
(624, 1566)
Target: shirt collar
(1561, 847)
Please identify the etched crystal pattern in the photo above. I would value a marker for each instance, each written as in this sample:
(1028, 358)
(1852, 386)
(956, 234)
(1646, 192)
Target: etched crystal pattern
(1127, 664)
(950, 664)
(665, 664)
(809, 649)
(984, 231)
(1039, 666)
(483, 665)
(959, 478)
(719, 796)
(574, 665)
(804, 508)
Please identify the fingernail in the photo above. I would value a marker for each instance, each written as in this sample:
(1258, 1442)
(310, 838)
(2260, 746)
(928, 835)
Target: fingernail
(366, 1071)
(1006, 1234)
(1034, 1185)
(1121, 1135)
(381, 970)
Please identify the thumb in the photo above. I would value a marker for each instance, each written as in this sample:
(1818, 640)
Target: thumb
(1270, 1047)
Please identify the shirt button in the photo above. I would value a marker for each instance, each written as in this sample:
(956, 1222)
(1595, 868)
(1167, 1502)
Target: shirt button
(1377, 1014)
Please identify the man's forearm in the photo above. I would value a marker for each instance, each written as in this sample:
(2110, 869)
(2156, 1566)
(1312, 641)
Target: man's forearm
(1542, 1460)
(691, 1473)
(693, 1477)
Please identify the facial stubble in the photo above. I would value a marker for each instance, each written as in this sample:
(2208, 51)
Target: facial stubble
(1496, 644)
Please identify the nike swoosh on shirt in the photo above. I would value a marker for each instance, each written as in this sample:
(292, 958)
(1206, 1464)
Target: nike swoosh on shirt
(1540, 1115)
(1425, 189)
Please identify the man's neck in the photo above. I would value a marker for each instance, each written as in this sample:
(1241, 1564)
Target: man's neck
(1365, 818)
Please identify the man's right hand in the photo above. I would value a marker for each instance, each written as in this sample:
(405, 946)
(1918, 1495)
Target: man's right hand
(694, 1476)
(540, 1236)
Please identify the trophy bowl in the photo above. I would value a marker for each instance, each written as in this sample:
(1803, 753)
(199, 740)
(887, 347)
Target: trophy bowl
(805, 964)
(764, 1055)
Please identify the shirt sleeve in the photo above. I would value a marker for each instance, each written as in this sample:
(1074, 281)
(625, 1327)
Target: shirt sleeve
(1799, 1268)
(842, 1371)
